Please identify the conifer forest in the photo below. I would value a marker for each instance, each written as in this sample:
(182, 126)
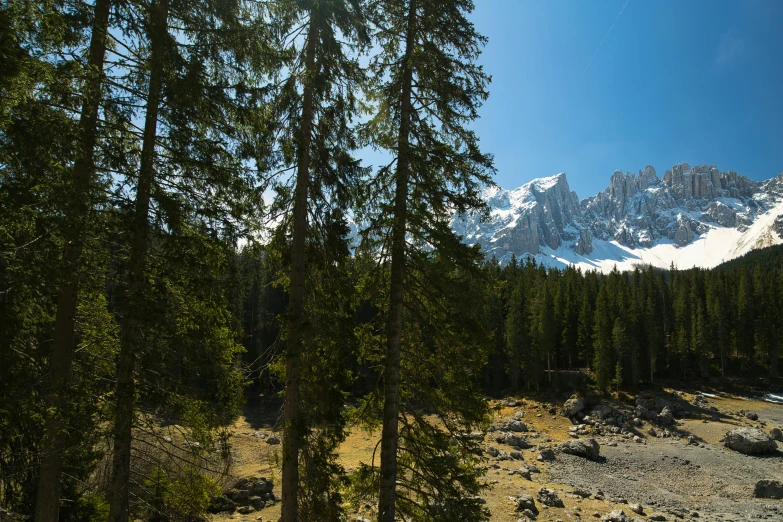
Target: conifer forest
(186, 226)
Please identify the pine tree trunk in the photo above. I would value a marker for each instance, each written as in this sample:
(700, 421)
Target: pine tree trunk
(391, 374)
(513, 372)
(292, 430)
(549, 367)
(55, 430)
(130, 333)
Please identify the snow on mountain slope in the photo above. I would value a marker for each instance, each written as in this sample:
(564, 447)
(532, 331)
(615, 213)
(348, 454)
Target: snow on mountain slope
(700, 217)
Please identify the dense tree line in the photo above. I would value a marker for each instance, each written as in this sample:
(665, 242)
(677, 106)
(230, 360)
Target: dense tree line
(627, 328)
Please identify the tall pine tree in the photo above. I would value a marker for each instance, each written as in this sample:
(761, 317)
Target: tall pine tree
(427, 89)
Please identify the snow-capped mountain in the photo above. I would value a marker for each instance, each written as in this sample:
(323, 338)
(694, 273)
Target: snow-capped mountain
(690, 217)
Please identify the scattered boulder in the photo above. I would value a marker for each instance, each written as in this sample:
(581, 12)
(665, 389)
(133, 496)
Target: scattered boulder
(522, 472)
(526, 502)
(636, 508)
(618, 515)
(586, 448)
(752, 416)
(218, 505)
(242, 483)
(776, 434)
(546, 453)
(768, 489)
(699, 400)
(257, 503)
(245, 510)
(573, 407)
(493, 451)
(474, 435)
(651, 402)
(273, 439)
(240, 496)
(605, 412)
(657, 517)
(666, 417)
(515, 441)
(516, 425)
(549, 497)
(749, 441)
(261, 487)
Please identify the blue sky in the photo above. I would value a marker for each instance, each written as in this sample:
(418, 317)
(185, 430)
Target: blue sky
(674, 80)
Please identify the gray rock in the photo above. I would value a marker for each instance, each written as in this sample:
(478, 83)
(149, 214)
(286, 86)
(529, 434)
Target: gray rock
(240, 496)
(776, 434)
(516, 425)
(604, 412)
(524, 502)
(261, 487)
(584, 246)
(257, 503)
(546, 453)
(587, 448)
(221, 504)
(752, 416)
(683, 234)
(666, 417)
(273, 439)
(573, 406)
(241, 483)
(721, 214)
(515, 441)
(768, 489)
(750, 441)
(636, 508)
(657, 517)
(618, 515)
(549, 497)
(492, 451)
(245, 510)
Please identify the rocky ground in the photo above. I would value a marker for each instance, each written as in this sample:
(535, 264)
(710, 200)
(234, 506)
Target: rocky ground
(660, 456)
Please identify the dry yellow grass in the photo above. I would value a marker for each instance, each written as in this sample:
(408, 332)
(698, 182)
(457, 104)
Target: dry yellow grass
(256, 458)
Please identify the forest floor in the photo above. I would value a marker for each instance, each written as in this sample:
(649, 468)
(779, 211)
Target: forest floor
(667, 476)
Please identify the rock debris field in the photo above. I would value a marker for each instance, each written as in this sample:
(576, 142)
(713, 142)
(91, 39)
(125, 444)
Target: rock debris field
(668, 455)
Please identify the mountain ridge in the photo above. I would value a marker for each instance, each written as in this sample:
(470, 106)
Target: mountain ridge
(637, 219)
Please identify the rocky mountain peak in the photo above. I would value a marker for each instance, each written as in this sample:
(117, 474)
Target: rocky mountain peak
(635, 211)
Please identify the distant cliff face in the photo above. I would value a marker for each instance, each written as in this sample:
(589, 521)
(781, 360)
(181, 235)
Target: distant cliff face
(539, 213)
(634, 211)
